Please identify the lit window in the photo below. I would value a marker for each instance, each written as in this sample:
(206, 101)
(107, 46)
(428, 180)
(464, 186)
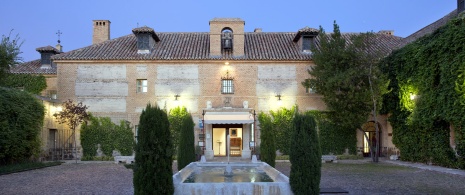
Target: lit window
(141, 85)
(227, 86)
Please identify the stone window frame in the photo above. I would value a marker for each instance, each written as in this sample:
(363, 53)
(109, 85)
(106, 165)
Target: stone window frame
(141, 86)
(227, 86)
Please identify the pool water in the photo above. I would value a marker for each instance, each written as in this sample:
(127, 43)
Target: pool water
(215, 174)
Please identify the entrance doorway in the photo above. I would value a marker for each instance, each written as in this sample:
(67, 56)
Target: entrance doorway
(370, 133)
(220, 143)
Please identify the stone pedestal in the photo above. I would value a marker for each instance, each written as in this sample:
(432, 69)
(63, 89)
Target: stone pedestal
(209, 154)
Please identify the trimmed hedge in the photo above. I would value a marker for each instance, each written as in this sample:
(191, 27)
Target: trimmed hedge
(153, 172)
(305, 156)
(186, 150)
(21, 120)
(267, 136)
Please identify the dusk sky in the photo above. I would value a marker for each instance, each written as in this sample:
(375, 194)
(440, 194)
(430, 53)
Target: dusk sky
(37, 22)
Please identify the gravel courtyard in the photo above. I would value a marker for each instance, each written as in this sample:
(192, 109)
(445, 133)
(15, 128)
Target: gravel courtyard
(357, 177)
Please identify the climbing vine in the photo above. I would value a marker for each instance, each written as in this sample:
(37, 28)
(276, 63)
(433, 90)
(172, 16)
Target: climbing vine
(31, 83)
(427, 96)
(100, 130)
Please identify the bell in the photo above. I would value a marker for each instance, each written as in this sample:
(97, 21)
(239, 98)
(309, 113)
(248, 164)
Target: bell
(227, 44)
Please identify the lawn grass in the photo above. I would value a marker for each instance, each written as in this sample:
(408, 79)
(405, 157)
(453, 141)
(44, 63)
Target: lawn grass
(14, 168)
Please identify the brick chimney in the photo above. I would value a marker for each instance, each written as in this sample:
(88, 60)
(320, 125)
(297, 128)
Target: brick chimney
(460, 6)
(101, 31)
(386, 32)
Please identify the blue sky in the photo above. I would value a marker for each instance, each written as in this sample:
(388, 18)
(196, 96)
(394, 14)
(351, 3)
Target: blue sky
(37, 22)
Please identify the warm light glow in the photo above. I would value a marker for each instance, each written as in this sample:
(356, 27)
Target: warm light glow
(412, 96)
(59, 109)
(226, 63)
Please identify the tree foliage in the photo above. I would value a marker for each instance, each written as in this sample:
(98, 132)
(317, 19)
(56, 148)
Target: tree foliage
(305, 156)
(282, 126)
(21, 119)
(100, 130)
(9, 53)
(349, 78)
(176, 117)
(268, 142)
(72, 115)
(186, 150)
(431, 70)
(153, 168)
(342, 75)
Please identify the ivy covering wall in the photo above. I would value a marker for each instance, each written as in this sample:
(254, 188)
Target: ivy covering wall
(21, 119)
(31, 83)
(100, 130)
(427, 96)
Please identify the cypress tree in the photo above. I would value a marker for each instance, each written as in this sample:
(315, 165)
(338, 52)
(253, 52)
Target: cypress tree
(305, 156)
(186, 150)
(267, 136)
(153, 169)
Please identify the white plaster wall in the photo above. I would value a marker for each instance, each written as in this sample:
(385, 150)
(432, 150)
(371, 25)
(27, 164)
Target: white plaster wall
(93, 72)
(178, 72)
(99, 88)
(275, 87)
(104, 104)
(276, 72)
(184, 88)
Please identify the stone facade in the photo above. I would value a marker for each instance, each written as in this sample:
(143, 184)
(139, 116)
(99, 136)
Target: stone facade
(186, 69)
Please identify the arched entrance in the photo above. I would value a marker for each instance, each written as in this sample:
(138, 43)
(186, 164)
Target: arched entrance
(369, 138)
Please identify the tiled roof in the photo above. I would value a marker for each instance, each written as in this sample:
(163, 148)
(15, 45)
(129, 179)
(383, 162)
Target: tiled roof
(32, 67)
(305, 31)
(195, 46)
(47, 49)
(148, 30)
(431, 27)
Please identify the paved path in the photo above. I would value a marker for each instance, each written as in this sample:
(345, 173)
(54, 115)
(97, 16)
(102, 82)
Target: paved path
(428, 167)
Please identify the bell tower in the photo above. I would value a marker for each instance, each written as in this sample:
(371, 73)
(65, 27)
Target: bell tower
(226, 35)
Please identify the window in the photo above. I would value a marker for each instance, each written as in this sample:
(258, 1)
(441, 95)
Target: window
(310, 90)
(52, 94)
(227, 86)
(307, 44)
(141, 85)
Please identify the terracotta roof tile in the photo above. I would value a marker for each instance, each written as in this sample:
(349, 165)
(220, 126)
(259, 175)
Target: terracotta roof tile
(32, 67)
(431, 27)
(47, 48)
(195, 46)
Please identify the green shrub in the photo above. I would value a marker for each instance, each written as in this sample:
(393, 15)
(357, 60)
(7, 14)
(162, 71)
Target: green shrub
(282, 127)
(175, 117)
(305, 156)
(335, 139)
(153, 172)
(21, 119)
(186, 150)
(267, 136)
(31, 83)
(100, 130)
